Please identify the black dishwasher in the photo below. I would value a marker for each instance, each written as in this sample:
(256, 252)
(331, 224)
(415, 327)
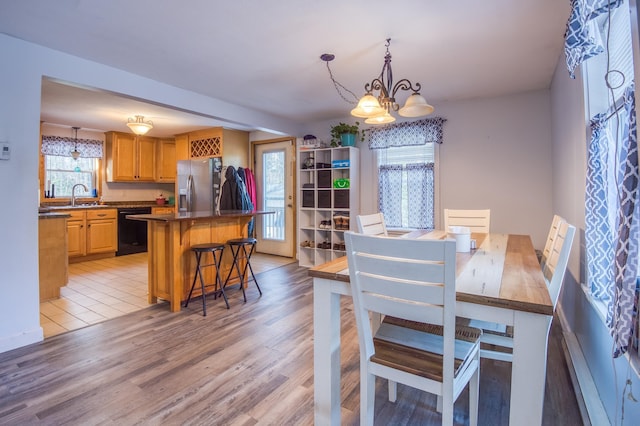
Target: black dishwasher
(132, 234)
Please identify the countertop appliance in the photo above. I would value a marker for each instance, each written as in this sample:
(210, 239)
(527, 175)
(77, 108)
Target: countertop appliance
(199, 184)
(132, 234)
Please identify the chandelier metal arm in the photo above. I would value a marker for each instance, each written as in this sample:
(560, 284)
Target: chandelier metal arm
(405, 84)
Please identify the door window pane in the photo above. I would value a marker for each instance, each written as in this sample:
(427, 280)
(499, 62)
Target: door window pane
(274, 179)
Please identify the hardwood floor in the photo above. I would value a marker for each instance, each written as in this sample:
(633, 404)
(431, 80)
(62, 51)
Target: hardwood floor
(249, 365)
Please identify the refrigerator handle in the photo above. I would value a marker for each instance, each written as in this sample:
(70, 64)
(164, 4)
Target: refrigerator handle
(189, 192)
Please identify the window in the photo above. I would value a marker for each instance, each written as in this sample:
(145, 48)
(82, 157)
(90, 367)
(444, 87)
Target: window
(61, 171)
(603, 36)
(64, 172)
(406, 186)
(406, 171)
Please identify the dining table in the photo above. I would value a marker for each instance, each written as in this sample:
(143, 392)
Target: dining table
(499, 281)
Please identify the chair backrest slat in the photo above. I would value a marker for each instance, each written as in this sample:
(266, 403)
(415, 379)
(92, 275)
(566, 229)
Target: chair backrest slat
(476, 220)
(371, 224)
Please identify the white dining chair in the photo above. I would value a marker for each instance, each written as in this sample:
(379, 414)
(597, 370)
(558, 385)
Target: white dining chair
(476, 220)
(548, 246)
(497, 339)
(371, 224)
(412, 283)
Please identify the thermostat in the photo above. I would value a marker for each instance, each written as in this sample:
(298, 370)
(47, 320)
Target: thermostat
(5, 151)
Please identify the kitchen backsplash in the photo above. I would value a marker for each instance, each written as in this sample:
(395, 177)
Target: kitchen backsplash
(119, 191)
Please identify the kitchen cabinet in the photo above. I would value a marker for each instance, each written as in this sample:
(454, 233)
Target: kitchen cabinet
(166, 161)
(92, 233)
(102, 231)
(210, 142)
(52, 253)
(163, 210)
(130, 158)
(76, 233)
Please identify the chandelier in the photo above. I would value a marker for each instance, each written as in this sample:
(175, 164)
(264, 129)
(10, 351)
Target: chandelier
(139, 126)
(380, 98)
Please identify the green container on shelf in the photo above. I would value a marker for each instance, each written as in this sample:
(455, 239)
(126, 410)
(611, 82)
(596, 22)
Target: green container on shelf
(348, 139)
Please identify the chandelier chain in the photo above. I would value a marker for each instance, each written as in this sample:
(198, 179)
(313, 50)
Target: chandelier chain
(339, 86)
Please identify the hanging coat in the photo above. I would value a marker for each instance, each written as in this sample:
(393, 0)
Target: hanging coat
(231, 195)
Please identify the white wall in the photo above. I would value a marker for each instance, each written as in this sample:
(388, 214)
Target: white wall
(569, 146)
(496, 154)
(24, 65)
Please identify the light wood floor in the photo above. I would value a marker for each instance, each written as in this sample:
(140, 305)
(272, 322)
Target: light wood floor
(99, 290)
(249, 365)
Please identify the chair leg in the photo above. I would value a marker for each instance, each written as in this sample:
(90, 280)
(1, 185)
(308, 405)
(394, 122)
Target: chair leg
(217, 261)
(204, 303)
(235, 264)
(248, 256)
(393, 391)
(474, 392)
(195, 277)
(367, 396)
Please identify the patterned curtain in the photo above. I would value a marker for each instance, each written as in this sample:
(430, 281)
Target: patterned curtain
(62, 146)
(390, 194)
(582, 38)
(408, 133)
(420, 184)
(612, 215)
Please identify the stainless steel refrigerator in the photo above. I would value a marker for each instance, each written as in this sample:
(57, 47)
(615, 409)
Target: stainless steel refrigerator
(199, 184)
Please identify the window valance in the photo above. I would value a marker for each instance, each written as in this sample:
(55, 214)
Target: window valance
(409, 133)
(583, 38)
(62, 146)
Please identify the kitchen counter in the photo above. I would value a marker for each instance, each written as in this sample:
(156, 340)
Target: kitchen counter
(172, 264)
(209, 215)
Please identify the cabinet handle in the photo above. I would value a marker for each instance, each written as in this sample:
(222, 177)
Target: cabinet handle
(102, 214)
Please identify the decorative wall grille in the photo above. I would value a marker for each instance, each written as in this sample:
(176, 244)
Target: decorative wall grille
(207, 147)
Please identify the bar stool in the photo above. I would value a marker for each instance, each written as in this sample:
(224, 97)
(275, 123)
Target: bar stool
(199, 250)
(239, 252)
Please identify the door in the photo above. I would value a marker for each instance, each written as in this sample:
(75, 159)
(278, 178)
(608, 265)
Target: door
(274, 189)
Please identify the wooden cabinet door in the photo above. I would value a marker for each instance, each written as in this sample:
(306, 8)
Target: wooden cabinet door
(101, 236)
(162, 210)
(166, 161)
(76, 237)
(125, 157)
(102, 231)
(146, 155)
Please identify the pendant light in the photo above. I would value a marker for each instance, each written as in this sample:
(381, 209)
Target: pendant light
(75, 153)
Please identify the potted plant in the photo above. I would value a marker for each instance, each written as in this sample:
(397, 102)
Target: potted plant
(345, 134)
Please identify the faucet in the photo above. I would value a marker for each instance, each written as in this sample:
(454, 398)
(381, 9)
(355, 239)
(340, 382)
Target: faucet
(73, 193)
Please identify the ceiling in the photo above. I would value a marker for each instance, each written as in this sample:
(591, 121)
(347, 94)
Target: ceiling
(265, 55)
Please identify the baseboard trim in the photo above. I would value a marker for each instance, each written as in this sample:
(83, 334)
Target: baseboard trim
(589, 402)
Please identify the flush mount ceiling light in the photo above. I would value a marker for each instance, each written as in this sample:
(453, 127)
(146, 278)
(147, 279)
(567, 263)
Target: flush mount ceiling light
(139, 126)
(75, 153)
(380, 98)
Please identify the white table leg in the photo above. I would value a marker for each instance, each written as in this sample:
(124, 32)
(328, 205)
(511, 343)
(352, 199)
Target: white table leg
(326, 353)
(529, 368)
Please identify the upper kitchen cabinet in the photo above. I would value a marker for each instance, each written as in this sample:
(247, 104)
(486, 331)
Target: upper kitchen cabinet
(210, 142)
(130, 158)
(166, 161)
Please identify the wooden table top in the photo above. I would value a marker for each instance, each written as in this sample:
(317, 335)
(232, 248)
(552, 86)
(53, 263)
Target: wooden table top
(503, 272)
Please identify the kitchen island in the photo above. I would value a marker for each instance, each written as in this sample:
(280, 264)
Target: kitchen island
(170, 238)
